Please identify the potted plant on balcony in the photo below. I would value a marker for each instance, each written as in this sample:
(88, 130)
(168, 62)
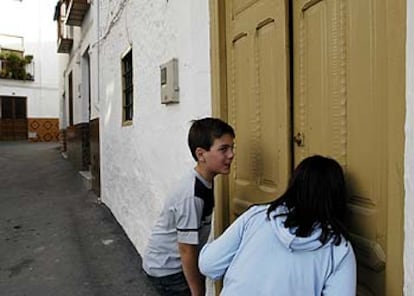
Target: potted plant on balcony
(13, 66)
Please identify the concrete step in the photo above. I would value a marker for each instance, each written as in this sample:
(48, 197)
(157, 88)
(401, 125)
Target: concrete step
(86, 179)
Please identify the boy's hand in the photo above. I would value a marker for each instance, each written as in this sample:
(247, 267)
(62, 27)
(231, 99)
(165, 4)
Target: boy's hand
(189, 259)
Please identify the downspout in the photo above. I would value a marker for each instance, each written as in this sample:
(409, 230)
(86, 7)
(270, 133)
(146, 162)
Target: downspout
(100, 123)
(98, 53)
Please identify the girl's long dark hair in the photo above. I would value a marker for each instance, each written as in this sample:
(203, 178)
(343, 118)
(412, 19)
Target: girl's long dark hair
(316, 194)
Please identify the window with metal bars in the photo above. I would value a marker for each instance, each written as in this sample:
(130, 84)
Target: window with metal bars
(127, 89)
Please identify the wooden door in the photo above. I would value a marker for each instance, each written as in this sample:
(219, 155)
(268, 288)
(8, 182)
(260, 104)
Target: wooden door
(258, 100)
(13, 120)
(340, 110)
(341, 105)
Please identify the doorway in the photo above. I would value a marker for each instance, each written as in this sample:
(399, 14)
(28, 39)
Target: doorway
(313, 77)
(86, 97)
(13, 120)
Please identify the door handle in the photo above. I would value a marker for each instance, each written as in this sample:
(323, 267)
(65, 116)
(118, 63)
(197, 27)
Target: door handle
(299, 139)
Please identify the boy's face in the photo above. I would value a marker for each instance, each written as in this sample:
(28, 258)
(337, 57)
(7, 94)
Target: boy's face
(218, 159)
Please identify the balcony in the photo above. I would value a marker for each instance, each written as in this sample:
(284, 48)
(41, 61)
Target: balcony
(76, 11)
(64, 32)
(65, 42)
(15, 65)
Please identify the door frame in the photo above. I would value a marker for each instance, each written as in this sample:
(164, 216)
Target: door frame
(219, 102)
(395, 64)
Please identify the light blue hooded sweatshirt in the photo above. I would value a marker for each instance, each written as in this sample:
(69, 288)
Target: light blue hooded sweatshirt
(259, 256)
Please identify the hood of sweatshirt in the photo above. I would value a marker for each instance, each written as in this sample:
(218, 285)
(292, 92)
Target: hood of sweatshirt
(287, 235)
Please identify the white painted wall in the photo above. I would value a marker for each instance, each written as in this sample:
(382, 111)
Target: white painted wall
(39, 33)
(142, 162)
(409, 157)
(62, 62)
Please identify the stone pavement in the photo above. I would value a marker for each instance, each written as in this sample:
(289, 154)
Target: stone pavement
(56, 238)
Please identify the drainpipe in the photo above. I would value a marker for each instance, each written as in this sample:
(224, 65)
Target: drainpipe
(98, 54)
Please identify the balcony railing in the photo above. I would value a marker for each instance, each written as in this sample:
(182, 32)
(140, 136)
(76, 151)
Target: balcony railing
(64, 32)
(65, 40)
(76, 11)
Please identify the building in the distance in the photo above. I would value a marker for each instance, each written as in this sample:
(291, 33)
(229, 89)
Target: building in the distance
(77, 30)
(29, 97)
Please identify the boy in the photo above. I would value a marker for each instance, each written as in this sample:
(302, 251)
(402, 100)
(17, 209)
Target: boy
(171, 257)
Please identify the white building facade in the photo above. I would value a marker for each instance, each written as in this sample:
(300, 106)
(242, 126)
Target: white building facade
(143, 160)
(30, 102)
(77, 27)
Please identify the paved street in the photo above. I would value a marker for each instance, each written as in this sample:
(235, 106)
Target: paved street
(55, 237)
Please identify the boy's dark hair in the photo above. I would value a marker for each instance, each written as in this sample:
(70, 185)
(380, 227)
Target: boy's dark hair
(316, 194)
(204, 131)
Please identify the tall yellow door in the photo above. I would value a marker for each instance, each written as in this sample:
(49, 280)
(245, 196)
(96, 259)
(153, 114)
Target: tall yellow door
(340, 111)
(339, 106)
(258, 100)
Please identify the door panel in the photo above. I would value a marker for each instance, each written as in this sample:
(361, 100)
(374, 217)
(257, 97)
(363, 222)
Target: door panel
(367, 142)
(319, 79)
(258, 101)
(339, 111)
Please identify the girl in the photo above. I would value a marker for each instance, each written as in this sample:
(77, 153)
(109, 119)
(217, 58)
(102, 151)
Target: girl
(296, 245)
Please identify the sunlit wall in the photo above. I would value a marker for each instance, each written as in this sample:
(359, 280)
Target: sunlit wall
(142, 162)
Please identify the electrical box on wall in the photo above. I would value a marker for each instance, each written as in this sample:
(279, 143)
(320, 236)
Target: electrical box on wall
(169, 82)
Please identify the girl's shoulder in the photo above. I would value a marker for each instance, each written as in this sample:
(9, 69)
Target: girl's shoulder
(256, 208)
(255, 211)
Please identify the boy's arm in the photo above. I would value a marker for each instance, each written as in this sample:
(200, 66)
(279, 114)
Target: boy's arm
(189, 260)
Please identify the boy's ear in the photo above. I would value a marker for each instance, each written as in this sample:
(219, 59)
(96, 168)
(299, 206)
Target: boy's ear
(199, 152)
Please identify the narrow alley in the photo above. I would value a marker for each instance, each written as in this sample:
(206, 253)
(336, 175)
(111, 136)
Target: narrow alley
(56, 237)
